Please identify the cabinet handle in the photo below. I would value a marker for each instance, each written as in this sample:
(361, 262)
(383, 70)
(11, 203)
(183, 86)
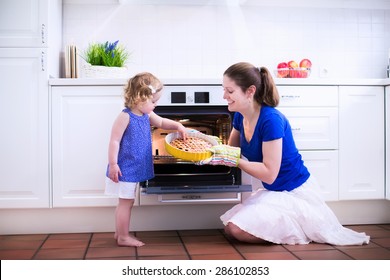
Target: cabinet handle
(291, 96)
(43, 28)
(43, 61)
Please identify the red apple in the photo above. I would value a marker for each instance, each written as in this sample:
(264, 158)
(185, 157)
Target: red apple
(282, 70)
(292, 64)
(304, 73)
(305, 63)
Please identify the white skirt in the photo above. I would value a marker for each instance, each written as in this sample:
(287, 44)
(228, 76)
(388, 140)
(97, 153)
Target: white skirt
(126, 190)
(296, 217)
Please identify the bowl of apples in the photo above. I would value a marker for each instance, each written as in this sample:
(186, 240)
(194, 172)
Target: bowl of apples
(292, 69)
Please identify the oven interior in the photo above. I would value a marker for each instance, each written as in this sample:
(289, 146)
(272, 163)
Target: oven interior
(174, 175)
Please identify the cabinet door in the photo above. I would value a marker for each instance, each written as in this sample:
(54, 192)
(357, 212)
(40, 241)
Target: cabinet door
(387, 185)
(82, 118)
(323, 166)
(23, 23)
(24, 161)
(362, 146)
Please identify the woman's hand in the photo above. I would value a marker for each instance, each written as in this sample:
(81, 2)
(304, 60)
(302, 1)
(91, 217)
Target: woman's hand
(114, 172)
(223, 155)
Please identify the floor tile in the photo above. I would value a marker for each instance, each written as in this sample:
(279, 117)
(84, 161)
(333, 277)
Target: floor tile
(16, 254)
(69, 236)
(104, 235)
(60, 254)
(208, 244)
(160, 240)
(199, 232)
(385, 226)
(16, 244)
(259, 248)
(321, 255)
(365, 246)
(173, 257)
(141, 234)
(209, 249)
(26, 237)
(308, 247)
(94, 253)
(115, 258)
(204, 239)
(103, 242)
(384, 242)
(367, 254)
(235, 256)
(161, 250)
(65, 243)
(270, 256)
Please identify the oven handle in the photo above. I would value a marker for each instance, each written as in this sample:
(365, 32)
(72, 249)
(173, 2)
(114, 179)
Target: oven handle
(236, 199)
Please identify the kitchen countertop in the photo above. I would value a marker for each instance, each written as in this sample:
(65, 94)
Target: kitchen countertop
(309, 81)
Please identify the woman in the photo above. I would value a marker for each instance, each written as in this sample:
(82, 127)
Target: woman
(290, 210)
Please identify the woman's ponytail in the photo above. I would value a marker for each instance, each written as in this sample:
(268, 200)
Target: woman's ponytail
(267, 91)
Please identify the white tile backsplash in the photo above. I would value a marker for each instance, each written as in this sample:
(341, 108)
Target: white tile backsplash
(188, 41)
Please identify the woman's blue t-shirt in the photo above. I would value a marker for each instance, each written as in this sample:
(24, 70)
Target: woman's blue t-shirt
(272, 125)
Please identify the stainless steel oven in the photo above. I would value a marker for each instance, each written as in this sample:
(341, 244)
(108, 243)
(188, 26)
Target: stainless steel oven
(199, 107)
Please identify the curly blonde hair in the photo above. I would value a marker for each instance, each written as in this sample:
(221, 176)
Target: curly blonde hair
(140, 88)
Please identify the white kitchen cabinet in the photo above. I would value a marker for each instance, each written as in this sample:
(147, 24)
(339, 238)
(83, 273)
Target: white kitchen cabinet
(362, 146)
(313, 115)
(313, 128)
(27, 23)
(82, 117)
(323, 166)
(30, 39)
(24, 161)
(387, 162)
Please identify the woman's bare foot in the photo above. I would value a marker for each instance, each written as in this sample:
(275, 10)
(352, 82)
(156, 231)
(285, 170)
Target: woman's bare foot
(129, 241)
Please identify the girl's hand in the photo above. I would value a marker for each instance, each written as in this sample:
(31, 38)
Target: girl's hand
(114, 172)
(183, 131)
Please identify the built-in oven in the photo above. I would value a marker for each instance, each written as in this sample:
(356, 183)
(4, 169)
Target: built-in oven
(202, 108)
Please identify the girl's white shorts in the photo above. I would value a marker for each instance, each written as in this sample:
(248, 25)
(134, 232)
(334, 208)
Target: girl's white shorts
(125, 190)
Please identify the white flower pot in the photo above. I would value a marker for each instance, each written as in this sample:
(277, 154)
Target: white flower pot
(97, 71)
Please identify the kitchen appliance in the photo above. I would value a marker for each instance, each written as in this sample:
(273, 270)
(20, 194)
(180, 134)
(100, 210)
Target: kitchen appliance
(202, 108)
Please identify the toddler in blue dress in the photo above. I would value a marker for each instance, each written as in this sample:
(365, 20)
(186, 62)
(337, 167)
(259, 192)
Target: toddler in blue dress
(130, 159)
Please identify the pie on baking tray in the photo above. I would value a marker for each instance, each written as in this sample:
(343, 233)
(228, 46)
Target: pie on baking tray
(191, 144)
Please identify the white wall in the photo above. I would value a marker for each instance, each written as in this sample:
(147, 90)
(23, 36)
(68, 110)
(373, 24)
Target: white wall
(201, 41)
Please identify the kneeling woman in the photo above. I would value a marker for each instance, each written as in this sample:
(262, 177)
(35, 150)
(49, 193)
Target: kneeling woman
(290, 210)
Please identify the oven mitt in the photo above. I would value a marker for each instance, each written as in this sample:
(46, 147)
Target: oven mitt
(216, 138)
(223, 155)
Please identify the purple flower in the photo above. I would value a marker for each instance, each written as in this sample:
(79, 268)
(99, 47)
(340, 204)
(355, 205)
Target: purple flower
(109, 47)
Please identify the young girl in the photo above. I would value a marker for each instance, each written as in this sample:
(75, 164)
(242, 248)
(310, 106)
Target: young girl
(130, 158)
(290, 210)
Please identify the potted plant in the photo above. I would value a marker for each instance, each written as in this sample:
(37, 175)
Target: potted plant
(105, 60)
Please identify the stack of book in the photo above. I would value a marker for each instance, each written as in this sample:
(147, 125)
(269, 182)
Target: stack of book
(71, 62)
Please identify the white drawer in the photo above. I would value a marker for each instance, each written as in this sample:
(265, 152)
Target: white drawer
(305, 96)
(313, 128)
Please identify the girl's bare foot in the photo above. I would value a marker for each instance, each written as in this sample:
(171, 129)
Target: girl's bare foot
(129, 241)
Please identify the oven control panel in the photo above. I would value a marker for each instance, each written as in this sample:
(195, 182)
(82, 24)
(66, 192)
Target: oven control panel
(192, 95)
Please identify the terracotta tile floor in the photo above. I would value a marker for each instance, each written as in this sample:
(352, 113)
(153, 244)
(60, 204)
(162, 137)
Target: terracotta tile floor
(185, 245)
